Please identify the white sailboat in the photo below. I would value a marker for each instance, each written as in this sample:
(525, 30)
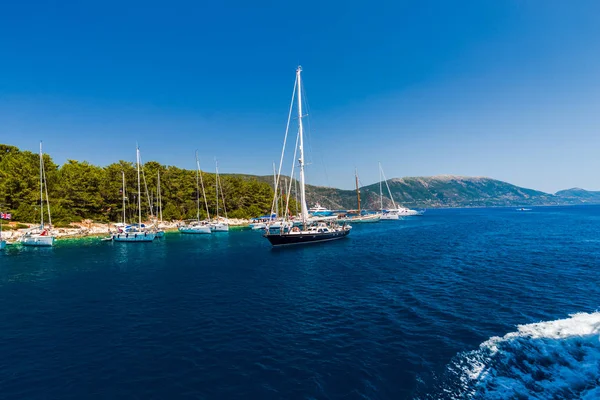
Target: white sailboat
(307, 232)
(219, 224)
(136, 232)
(197, 226)
(159, 233)
(40, 236)
(397, 212)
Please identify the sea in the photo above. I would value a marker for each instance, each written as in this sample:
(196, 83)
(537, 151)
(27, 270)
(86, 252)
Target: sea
(456, 304)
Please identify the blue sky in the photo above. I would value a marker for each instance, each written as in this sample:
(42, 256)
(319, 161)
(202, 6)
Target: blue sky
(506, 89)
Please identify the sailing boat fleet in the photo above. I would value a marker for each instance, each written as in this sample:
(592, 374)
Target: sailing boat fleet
(316, 224)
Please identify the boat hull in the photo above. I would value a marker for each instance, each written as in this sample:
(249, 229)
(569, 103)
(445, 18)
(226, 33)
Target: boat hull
(134, 237)
(362, 220)
(257, 226)
(2, 244)
(198, 230)
(37, 240)
(289, 239)
(160, 234)
(219, 227)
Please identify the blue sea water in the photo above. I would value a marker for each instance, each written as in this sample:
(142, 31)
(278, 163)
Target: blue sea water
(465, 303)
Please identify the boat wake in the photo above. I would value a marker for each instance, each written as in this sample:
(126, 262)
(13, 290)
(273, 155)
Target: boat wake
(545, 360)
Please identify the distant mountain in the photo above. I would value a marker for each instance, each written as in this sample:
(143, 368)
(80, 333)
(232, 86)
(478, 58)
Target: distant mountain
(578, 195)
(440, 191)
(443, 191)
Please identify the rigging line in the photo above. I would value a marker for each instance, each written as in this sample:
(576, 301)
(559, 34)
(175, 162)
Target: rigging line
(291, 176)
(197, 190)
(296, 194)
(217, 189)
(223, 197)
(46, 187)
(146, 187)
(388, 188)
(202, 184)
(309, 130)
(274, 184)
(309, 136)
(287, 128)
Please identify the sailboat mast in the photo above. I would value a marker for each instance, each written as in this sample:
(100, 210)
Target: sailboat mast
(202, 184)
(217, 185)
(275, 190)
(357, 190)
(380, 191)
(41, 190)
(139, 189)
(301, 149)
(197, 189)
(123, 196)
(159, 198)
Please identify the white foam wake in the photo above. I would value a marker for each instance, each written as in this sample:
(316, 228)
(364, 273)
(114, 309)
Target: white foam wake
(555, 359)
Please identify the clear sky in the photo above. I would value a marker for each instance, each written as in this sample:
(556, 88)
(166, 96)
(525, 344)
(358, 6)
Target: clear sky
(507, 89)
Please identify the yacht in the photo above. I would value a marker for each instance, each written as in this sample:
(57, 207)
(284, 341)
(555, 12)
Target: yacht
(194, 226)
(307, 232)
(319, 211)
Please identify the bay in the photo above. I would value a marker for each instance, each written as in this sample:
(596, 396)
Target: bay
(399, 309)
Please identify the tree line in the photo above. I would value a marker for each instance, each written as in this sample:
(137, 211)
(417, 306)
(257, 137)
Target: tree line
(79, 190)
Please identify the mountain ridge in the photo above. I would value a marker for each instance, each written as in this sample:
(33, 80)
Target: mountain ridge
(442, 191)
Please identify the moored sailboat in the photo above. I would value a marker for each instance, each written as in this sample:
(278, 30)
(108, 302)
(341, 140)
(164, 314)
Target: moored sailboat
(197, 226)
(306, 233)
(40, 236)
(360, 217)
(136, 232)
(397, 212)
(219, 224)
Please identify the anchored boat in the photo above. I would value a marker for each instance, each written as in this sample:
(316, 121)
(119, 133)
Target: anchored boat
(307, 232)
(137, 232)
(197, 226)
(40, 236)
